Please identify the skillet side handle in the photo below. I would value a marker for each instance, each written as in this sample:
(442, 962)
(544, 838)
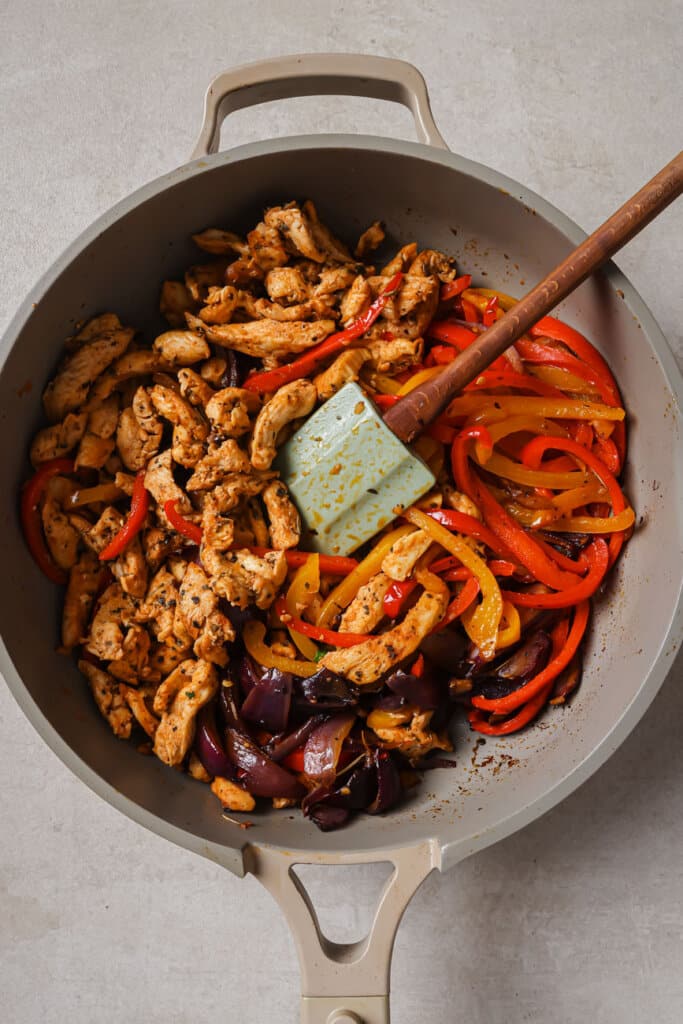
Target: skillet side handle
(344, 983)
(316, 74)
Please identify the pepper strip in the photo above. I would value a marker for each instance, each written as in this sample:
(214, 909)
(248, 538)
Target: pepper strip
(310, 362)
(396, 596)
(139, 508)
(596, 524)
(450, 289)
(344, 593)
(253, 633)
(497, 407)
(31, 523)
(331, 565)
(597, 554)
(181, 524)
(305, 584)
(319, 633)
(483, 625)
(524, 548)
(459, 604)
(532, 453)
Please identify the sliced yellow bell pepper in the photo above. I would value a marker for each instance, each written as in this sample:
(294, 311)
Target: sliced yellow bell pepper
(419, 378)
(344, 593)
(253, 634)
(479, 297)
(595, 524)
(510, 628)
(564, 379)
(500, 465)
(303, 588)
(493, 408)
(569, 500)
(485, 617)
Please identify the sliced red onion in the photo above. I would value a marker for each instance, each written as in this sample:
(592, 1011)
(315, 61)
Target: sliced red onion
(280, 746)
(323, 746)
(249, 675)
(444, 648)
(262, 776)
(388, 783)
(209, 747)
(326, 690)
(517, 670)
(425, 691)
(227, 699)
(328, 817)
(268, 701)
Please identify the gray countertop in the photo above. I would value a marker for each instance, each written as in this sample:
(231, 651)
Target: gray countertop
(576, 918)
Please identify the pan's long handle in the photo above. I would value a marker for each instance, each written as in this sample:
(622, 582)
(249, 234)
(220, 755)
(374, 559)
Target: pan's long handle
(344, 983)
(316, 74)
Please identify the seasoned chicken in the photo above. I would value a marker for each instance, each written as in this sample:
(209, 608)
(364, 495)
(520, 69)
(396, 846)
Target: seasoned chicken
(158, 608)
(288, 314)
(335, 279)
(175, 301)
(105, 323)
(84, 581)
(196, 769)
(139, 432)
(395, 355)
(161, 485)
(158, 544)
(221, 303)
(370, 240)
(165, 658)
(190, 430)
(175, 732)
(57, 441)
(130, 569)
(104, 530)
(286, 284)
(220, 459)
(107, 694)
(133, 666)
(139, 363)
(304, 233)
(285, 523)
(139, 700)
(257, 523)
(181, 348)
(62, 538)
(401, 261)
(194, 388)
(229, 411)
(114, 613)
(414, 740)
(221, 243)
(400, 561)
(461, 503)
(97, 443)
(210, 629)
(266, 337)
(432, 263)
(232, 796)
(344, 369)
(367, 608)
(366, 662)
(79, 371)
(356, 300)
(200, 278)
(289, 402)
(243, 578)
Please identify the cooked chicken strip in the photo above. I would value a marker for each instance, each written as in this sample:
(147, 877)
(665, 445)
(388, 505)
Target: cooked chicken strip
(232, 796)
(161, 485)
(114, 613)
(356, 300)
(305, 233)
(266, 337)
(105, 323)
(176, 730)
(394, 356)
(62, 538)
(220, 459)
(107, 694)
(93, 451)
(198, 605)
(133, 666)
(58, 440)
(344, 369)
(370, 240)
(221, 243)
(229, 411)
(104, 530)
(432, 263)
(400, 561)
(414, 740)
(285, 523)
(286, 284)
(139, 700)
(130, 569)
(181, 348)
(196, 770)
(158, 608)
(174, 302)
(289, 402)
(134, 364)
(257, 522)
(165, 658)
(84, 580)
(401, 261)
(200, 278)
(367, 608)
(190, 430)
(314, 307)
(243, 578)
(336, 279)
(80, 369)
(221, 303)
(139, 432)
(368, 661)
(194, 388)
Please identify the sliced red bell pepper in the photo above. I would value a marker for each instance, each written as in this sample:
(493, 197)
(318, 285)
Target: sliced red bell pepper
(470, 312)
(139, 507)
(319, 633)
(418, 666)
(31, 523)
(181, 524)
(396, 596)
(333, 565)
(385, 401)
(459, 604)
(294, 760)
(450, 289)
(597, 554)
(313, 359)
(490, 312)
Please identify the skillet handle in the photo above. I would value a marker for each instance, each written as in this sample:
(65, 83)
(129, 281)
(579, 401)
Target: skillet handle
(344, 983)
(316, 74)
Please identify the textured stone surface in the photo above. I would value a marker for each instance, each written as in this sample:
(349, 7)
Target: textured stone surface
(579, 916)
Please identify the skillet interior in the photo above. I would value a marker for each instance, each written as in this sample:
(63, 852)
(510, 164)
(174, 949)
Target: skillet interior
(507, 238)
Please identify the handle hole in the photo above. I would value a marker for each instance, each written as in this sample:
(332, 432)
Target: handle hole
(344, 897)
(305, 115)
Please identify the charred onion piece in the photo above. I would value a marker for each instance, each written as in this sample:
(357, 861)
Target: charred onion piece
(262, 776)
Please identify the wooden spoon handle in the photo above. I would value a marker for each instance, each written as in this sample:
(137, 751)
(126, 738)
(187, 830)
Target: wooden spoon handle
(422, 405)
